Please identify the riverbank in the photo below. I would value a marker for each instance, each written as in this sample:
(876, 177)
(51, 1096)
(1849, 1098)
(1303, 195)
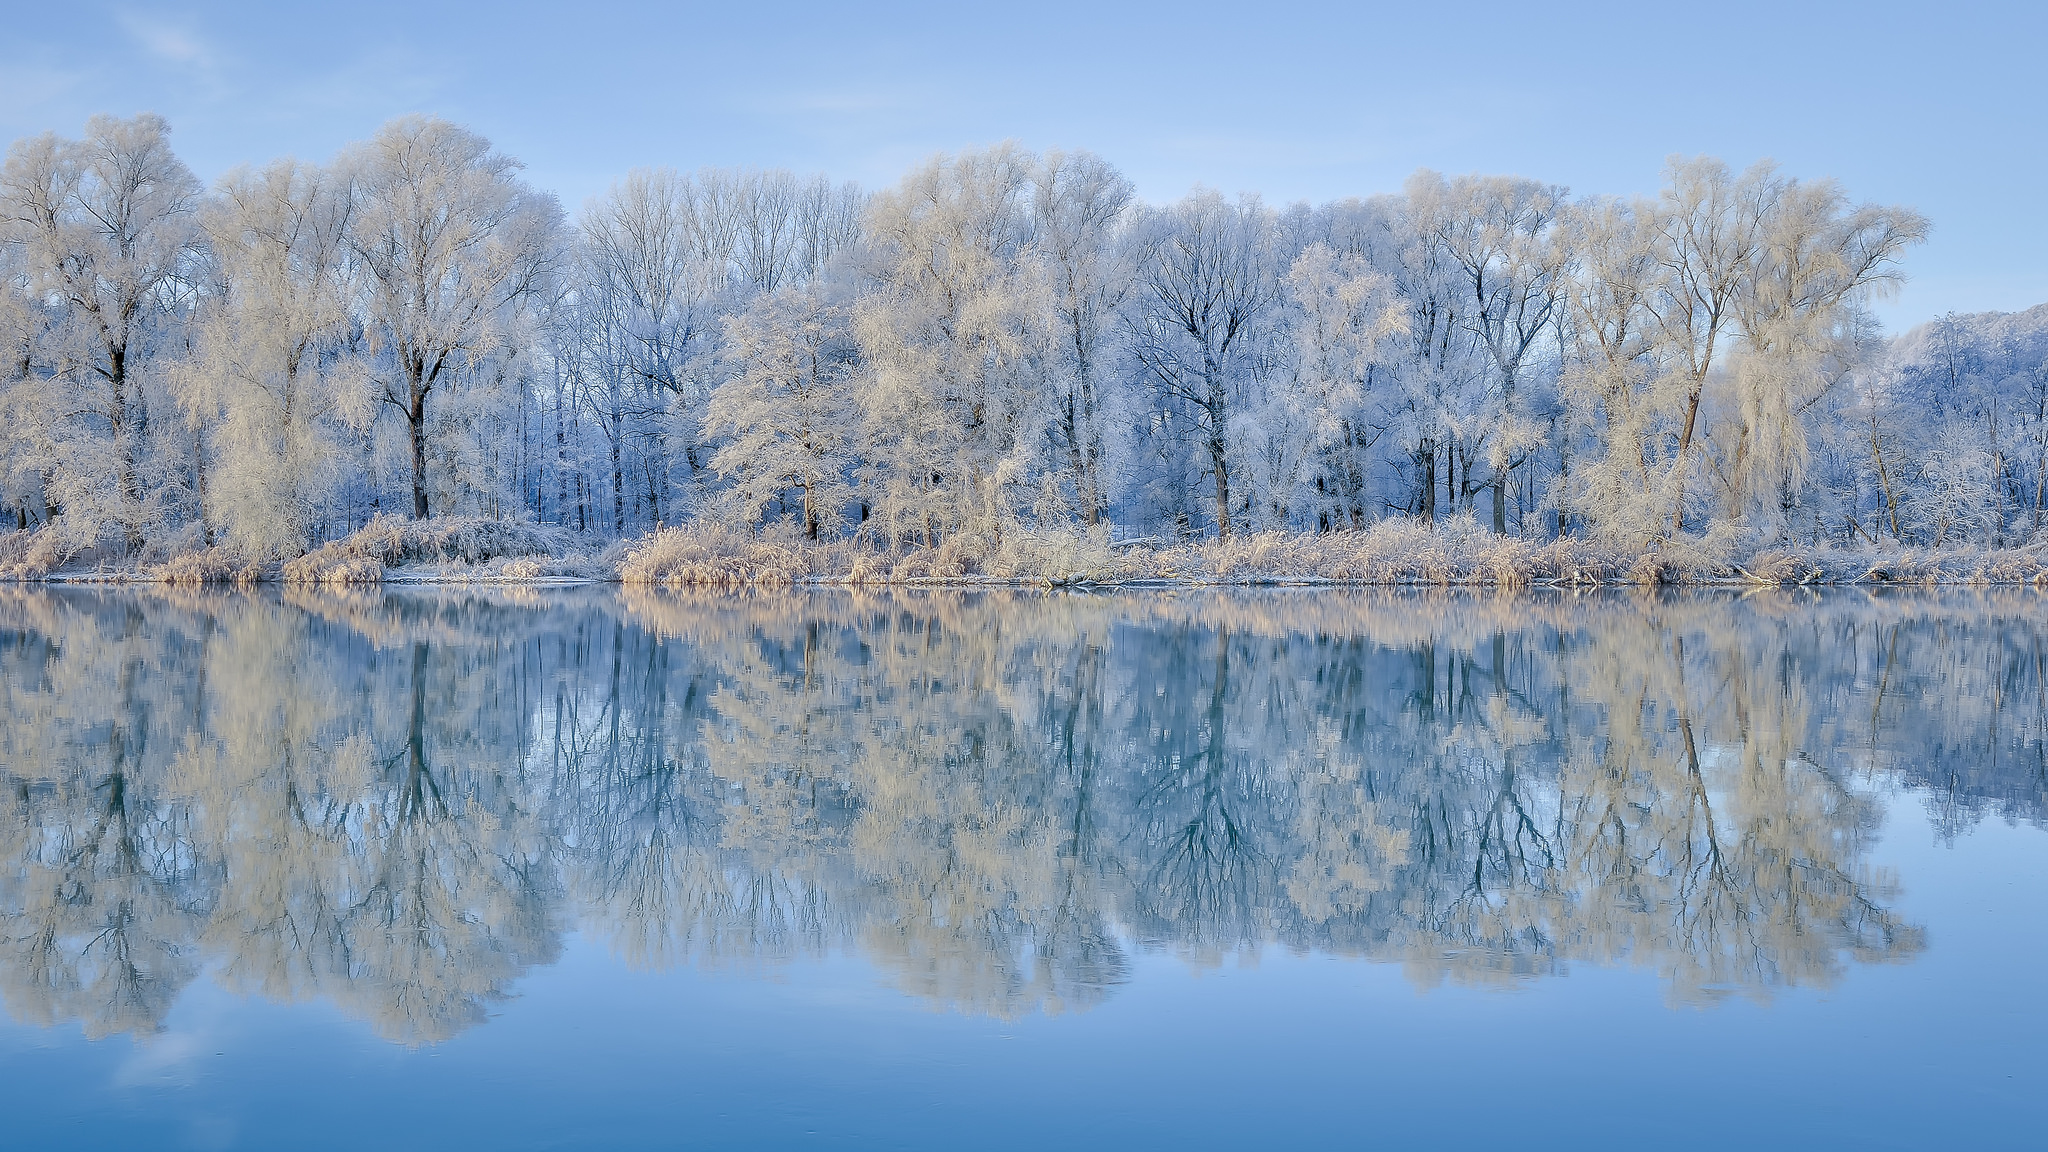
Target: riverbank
(1392, 553)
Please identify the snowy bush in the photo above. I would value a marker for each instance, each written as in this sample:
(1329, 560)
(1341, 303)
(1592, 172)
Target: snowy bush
(391, 542)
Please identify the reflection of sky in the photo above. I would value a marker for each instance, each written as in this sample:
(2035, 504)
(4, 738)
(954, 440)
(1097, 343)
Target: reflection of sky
(1944, 1051)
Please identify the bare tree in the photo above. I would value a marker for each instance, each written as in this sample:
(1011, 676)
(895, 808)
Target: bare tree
(1208, 285)
(1500, 232)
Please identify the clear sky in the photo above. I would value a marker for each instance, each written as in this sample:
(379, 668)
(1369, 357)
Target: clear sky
(1942, 107)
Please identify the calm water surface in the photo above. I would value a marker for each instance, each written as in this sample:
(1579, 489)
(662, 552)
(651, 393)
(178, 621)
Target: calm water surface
(1218, 870)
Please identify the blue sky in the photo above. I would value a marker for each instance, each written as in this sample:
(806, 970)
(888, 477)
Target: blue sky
(1937, 107)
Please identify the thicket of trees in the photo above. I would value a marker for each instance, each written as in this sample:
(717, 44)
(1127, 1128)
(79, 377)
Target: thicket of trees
(400, 803)
(1003, 338)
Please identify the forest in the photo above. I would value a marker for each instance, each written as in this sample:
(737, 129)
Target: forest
(1005, 345)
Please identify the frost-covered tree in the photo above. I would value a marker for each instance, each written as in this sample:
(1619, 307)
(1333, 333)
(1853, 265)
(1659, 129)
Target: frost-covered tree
(1004, 337)
(1803, 329)
(1080, 208)
(786, 410)
(1345, 323)
(1614, 381)
(1954, 408)
(1208, 288)
(104, 228)
(452, 245)
(274, 370)
(23, 482)
(955, 340)
(1713, 236)
(664, 260)
(649, 284)
(1442, 378)
(1703, 332)
(1501, 235)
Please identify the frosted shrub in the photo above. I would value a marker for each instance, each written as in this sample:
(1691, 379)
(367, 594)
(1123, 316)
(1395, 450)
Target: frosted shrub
(33, 553)
(711, 555)
(217, 565)
(390, 542)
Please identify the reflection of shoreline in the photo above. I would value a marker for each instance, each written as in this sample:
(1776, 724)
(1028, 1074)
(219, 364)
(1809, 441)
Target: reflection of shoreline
(398, 800)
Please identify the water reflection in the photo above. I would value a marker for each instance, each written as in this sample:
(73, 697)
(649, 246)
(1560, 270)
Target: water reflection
(399, 803)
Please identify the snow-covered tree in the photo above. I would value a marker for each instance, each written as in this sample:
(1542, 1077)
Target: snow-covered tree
(955, 338)
(1079, 215)
(1500, 235)
(1345, 324)
(1614, 382)
(451, 245)
(786, 411)
(273, 372)
(1803, 328)
(1208, 289)
(1003, 337)
(105, 231)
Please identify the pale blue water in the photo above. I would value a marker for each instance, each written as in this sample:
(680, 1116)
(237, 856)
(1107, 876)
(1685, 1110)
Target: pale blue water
(1209, 870)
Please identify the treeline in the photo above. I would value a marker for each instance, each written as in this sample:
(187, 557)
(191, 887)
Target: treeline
(1004, 338)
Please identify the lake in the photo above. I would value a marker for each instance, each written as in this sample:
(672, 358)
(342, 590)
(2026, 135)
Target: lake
(584, 868)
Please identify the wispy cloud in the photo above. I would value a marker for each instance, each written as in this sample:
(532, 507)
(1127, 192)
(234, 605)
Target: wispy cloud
(183, 50)
(170, 42)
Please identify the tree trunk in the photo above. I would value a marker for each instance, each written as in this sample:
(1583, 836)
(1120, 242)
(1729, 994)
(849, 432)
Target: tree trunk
(1884, 478)
(1087, 437)
(124, 447)
(1692, 413)
(199, 478)
(561, 461)
(1219, 463)
(1997, 484)
(1428, 458)
(1080, 457)
(416, 425)
(618, 481)
(1219, 458)
(2040, 490)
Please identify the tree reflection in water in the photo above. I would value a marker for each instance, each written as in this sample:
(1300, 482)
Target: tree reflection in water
(400, 801)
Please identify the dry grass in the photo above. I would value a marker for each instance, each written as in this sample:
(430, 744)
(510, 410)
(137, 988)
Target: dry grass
(390, 542)
(709, 556)
(33, 553)
(211, 566)
(1458, 552)
(1454, 553)
(1391, 553)
(2028, 565)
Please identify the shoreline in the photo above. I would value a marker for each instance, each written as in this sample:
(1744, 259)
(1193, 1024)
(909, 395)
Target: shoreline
(1455, 554)
(446, 580)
